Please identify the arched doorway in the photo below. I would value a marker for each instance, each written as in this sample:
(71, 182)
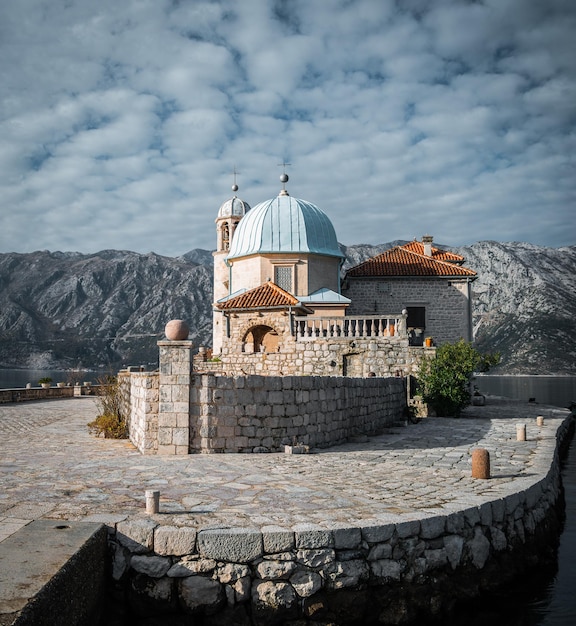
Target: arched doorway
(261, 339)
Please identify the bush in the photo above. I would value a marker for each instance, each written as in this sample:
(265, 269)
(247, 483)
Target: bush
(110, 422)
(444, 380)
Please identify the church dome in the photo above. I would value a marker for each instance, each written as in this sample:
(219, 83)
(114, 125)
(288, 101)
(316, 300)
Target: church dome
(234, 207)
(285, 224)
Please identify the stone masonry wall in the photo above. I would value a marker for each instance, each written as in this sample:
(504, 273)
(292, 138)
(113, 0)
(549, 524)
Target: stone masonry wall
(264, 413)
(140, 398)
(254, 413)
(384, 356)
(446, 302)
(380, 573)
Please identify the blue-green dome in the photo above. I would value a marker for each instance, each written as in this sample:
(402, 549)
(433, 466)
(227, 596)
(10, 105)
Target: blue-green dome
(284, 224)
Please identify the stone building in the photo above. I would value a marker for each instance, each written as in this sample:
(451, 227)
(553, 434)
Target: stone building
(300, 354)
(281, 307)
(431, 285)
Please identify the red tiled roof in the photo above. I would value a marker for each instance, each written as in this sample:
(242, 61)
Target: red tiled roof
(267, 295)
(400, 261)
(439, 255)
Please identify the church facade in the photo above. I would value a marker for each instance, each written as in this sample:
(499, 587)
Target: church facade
(283, 306)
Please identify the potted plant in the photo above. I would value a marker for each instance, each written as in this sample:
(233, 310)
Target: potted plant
(45, 382)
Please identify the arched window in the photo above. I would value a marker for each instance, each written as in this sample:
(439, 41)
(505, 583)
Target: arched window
(225, 236)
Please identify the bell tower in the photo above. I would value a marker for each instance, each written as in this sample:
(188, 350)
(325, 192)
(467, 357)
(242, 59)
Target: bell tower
(229, 215)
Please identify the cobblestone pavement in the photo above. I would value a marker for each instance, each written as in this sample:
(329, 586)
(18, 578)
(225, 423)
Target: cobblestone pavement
(51, 467)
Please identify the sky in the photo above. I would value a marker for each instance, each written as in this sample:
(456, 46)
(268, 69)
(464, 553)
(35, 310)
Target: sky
(122, 123)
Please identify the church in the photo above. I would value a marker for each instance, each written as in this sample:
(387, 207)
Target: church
(303, 351)
(284, 306)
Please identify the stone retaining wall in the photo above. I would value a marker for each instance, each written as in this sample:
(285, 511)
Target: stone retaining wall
(388, 573)
(254, 413)
(264, 413)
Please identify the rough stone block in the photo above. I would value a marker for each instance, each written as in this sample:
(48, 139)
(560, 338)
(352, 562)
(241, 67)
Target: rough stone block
(379, 551)
(309, 537)
(306, 583)
(166, 450)
(377, 534)
(274, 595)
(275, 570)
(276, 539)
(199, 593)
(231, 572)
(432, 527)
(232, 545)
(386, 570)
(174, 540)
(165, 436)
(347, 538)
(315, 558)
(479, 548)
(153, 566)
(136, 535)
(347, 574)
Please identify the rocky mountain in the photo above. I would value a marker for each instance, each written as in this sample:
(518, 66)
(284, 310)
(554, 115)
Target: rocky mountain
(104, 309)
(525, 305)
(109, 309)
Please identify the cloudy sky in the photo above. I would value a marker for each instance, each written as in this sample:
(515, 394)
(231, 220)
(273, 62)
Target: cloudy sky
(121, 123)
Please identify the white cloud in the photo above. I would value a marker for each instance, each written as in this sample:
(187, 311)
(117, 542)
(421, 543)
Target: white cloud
(120, 123)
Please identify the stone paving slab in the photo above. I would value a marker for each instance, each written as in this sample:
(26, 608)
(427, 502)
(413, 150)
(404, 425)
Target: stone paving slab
(52, 468)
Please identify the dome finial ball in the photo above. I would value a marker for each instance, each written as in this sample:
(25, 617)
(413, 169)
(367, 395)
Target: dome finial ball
(284, 178)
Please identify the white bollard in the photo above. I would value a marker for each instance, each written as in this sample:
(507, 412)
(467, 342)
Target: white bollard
(520, 432)
(152, 501)
(540, 420)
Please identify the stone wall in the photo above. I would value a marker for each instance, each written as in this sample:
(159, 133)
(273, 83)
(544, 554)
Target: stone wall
(140, 394)
(39, 393)
(264, 413)
(388, 573)
(316, 356)
(254, 413)
(447, 302)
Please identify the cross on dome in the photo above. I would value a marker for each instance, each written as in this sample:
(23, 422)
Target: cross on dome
(284, 178)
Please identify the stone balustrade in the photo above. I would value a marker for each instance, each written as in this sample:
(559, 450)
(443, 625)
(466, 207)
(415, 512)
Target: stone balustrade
(312, 328)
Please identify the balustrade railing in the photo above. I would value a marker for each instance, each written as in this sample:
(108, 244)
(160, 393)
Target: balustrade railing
(350, 327)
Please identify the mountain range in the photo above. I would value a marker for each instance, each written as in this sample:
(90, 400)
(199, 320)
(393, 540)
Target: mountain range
(108, 310)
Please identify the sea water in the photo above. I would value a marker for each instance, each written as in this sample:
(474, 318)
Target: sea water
(555, 390)
(18, 379)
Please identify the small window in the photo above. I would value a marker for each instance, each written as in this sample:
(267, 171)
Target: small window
(225, 237)
(283, 277)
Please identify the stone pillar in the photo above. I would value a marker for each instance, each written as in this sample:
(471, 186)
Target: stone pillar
(176, 366)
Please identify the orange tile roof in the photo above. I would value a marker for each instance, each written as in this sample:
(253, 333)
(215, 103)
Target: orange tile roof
(267, 295)
(439, 255)
(400, 261)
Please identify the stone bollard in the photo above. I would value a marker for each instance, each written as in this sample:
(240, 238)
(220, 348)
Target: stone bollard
(480, 463)
(152, 501)
(520, 432)
(540, 420)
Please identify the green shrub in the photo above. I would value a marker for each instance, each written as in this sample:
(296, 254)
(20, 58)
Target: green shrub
(444, 380)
